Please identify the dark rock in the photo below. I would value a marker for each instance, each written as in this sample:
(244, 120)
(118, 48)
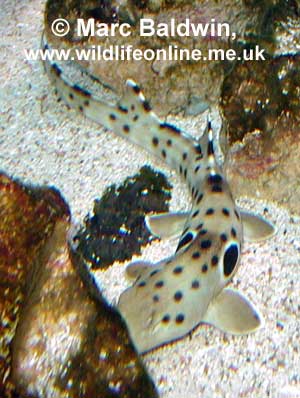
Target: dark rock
(116, 230)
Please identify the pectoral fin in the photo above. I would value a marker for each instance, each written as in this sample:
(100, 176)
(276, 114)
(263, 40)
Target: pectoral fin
(233, 313)
(137, 268)
(256, 228)
(165, 225)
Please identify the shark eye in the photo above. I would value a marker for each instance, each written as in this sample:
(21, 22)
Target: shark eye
(230, 259)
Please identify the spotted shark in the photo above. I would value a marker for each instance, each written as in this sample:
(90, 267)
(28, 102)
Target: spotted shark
(170, 298)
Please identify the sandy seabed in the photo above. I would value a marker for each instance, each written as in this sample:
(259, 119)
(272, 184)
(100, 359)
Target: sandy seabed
(42, 142)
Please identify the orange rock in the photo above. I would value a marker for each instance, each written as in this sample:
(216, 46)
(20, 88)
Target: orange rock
(59, 337)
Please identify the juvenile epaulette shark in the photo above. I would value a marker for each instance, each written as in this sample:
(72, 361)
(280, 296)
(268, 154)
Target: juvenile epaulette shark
(170, 298)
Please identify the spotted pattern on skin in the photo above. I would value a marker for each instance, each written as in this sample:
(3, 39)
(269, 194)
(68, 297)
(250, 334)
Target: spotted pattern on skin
(155, 141)
(179, 318)
(178, 296)
(126, 128)
(216, 189)
(210, 211)
(214, 179)
(195, 284)
(199, 227)
(200, 197)
(166, 318)
(205, 244)
(177, 270)
(195, 214)
(164, 295)
(204, 268)
(159, 284)
(226, 212)
(214, 261)
(156, 298)
(223, 237)
(196, 255)
(81, 91)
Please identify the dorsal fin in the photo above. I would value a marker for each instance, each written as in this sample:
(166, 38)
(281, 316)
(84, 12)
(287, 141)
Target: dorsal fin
(210, 151)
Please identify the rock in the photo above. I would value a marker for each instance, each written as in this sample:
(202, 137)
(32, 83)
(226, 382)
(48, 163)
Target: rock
(176, 85)
(64, 340)
(261, 107)
(28, 216)
(256, 94)
(116, 230)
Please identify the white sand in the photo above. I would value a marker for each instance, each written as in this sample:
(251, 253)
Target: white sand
(43, 142)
